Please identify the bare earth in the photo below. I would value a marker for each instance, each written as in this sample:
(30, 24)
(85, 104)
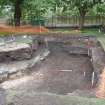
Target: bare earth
(60, 73)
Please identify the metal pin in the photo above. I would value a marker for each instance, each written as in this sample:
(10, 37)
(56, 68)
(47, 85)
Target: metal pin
(88, 52)
(84, 74)
(91, 60)
(93, 77)
(25, 36)
(46, 42)
(66, 70)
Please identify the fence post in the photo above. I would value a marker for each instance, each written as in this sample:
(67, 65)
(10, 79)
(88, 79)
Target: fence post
(52, 21)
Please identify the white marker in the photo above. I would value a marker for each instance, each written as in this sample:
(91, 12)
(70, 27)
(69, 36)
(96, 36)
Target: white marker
(25, 36)
(84, 74)
(93, 75)
(46, 41)
(67, 70)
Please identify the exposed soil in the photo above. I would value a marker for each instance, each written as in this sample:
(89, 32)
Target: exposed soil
(64, 72)
(23, 29)
(61, 70)
(101, 88)
(59, 73)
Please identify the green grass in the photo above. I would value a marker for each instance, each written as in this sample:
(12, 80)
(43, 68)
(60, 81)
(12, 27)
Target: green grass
(89, 32)
(92, 32)
(102, 40)
(76, 100)
(70, 99)
(5, 33)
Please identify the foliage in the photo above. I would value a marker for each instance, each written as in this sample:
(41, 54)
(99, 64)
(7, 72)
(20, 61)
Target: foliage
(83, 7)
(35, 8)
(40, 8)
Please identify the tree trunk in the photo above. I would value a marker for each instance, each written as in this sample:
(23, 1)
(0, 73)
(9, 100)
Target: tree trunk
(17, 14)
(82, 19)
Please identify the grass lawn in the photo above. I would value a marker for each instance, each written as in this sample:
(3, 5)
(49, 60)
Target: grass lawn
(76, 100)
(90, 32)
(70, 99)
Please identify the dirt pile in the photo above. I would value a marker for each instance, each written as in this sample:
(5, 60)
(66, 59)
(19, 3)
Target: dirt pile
(101, 88)
(23, 29)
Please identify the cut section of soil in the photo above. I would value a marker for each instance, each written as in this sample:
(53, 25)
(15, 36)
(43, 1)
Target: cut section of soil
(101, 88)
(61, 73)
(64, 73)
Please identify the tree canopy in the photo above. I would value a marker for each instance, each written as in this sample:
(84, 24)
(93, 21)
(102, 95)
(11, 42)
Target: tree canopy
(83, 7)
(31, 8)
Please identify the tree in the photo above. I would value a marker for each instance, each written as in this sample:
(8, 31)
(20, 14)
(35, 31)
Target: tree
(17, 6)
(83, 7)
(57, 6)
(17, 11)
(35, 8)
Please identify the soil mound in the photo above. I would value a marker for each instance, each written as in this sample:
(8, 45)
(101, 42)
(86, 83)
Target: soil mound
(23, 29)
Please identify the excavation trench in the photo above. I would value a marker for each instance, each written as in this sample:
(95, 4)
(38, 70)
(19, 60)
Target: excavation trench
(64, 72)
(58, 65)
